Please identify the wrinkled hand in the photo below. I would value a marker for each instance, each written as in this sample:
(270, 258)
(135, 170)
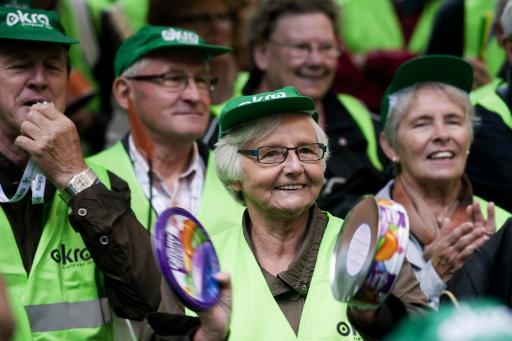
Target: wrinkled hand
(52, 141)
(215, 321)
(474, 214)
(480, 74)
(454, 246)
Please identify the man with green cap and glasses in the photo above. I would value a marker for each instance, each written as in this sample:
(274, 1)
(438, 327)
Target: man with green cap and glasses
(58, 275)
(164, 83)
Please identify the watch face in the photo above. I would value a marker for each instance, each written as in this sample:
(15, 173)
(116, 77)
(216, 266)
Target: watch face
(186, 258)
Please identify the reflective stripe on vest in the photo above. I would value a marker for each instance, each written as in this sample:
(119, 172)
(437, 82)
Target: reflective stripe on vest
(487, 98)
(256, 314)
(62, 271)
(361, 116)
(217, 208)
(373, 25)
(68, 315)
(474, 13)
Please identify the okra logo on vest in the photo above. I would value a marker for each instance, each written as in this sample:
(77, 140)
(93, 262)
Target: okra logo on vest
(256, 99)
(71, 257)
(28, 19)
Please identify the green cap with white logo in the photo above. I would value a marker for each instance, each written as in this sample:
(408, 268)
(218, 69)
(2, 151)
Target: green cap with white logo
(150, 38)
(477, 320)
(243, 109)
(32, 25)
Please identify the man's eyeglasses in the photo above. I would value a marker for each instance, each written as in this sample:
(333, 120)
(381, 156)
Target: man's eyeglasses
(303, 50)
(178, 81)
(278, 154)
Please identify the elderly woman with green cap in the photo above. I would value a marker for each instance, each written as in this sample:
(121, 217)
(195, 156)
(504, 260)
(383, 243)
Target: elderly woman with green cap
(428, 130)
(271, 156)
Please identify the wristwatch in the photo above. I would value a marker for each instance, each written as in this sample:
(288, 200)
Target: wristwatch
(78, 183)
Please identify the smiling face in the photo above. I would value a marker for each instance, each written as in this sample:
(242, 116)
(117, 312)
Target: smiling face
(285, 190)
(312, 75)
(29, 73)
(168, 115)
(432, 139)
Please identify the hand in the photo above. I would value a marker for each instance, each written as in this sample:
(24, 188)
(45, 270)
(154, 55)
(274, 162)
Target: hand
(454, 246)
(480, 74)
(474, 214)
(363, 316)
(6, 318)
(215, 321)
(52, 141)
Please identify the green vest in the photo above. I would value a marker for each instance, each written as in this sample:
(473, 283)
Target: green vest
(255, 313)
(487, 98)
(22, 330)
(217, 208)
(64, 294)
(368, 25)
(474, 13)
(360, 115)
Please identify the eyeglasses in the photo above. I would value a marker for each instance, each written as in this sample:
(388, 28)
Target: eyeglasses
(278, 154)
(301, 51)
(178, 81)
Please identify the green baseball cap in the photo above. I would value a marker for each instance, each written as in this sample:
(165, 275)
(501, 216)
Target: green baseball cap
(32, 25)
(240, 110)
(477, 320)
(150, 38)
(446, 69)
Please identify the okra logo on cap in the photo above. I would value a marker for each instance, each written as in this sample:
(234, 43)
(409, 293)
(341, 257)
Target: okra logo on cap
(180, 36)
(28, 19)
(256, 99)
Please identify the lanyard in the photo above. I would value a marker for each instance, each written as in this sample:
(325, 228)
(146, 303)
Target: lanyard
(32, 178)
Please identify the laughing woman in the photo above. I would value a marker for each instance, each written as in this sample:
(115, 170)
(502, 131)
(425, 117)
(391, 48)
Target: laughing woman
(427, 135)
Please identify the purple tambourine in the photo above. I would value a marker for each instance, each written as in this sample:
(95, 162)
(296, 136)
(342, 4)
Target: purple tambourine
(187, 259)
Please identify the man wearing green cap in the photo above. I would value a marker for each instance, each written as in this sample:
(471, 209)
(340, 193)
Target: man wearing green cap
(52, 270)
(163, 81)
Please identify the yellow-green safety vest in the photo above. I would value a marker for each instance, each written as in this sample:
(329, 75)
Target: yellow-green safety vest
(217, 208)
(361, 116)
(22, 328)
(487, 98)
(368, 25)
(475, 11)
(256, 314)
(64, 294)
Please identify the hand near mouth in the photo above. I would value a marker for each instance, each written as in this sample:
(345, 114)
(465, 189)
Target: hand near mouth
(52, 141)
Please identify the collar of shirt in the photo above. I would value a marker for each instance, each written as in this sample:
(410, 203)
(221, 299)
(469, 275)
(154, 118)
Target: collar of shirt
(300, 272)
(186, 190)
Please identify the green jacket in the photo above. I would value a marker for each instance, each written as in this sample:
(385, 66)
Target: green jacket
(64, 294)
(368, 25)
(255, 313)
(217, 209)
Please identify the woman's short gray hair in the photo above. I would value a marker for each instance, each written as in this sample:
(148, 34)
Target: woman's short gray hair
(400, 102)
(227, 158)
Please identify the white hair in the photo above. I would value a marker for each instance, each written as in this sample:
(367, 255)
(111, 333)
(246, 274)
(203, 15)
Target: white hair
(227, 158)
